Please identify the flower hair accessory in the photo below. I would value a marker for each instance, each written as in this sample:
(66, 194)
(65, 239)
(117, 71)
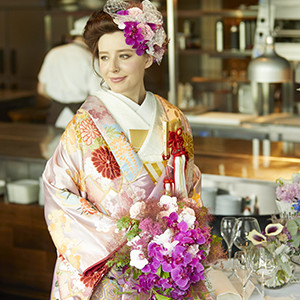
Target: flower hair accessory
(142, 26)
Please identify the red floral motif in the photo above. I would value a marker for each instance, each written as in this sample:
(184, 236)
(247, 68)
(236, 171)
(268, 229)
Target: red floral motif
(89, 131)
(105, 163)
(93, 278)
(87, 207)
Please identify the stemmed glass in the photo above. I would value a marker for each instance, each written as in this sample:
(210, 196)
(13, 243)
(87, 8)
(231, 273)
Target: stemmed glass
(263, 265)
(228, 231)
(243, 227)
(242, 269)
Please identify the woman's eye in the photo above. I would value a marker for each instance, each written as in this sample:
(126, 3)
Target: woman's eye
(103, 57)
(125, 56)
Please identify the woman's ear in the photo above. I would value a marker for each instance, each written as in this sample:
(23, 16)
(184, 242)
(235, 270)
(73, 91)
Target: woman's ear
(149, 61)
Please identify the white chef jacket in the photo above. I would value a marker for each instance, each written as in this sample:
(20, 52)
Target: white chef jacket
(68, 74)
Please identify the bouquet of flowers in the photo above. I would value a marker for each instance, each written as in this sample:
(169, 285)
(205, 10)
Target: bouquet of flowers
(169, 247)
(282, 236)
(288, 194)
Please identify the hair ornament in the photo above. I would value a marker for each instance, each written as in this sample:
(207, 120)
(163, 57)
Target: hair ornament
(142, 26)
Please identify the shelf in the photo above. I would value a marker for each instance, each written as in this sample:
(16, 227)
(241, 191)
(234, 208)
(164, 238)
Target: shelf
(213, 53)
(229, 13)
(198, 79)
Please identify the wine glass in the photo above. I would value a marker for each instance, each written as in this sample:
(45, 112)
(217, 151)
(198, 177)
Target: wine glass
(243, 227)
(242, 269)
(228, 231)
(263, 265)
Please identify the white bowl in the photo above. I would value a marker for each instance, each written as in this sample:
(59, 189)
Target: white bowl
(24, 191)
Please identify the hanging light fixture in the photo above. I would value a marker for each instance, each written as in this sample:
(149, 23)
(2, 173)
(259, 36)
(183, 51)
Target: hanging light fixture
(269, 67)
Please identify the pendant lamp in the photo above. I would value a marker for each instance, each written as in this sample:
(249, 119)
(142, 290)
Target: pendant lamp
(269, 67)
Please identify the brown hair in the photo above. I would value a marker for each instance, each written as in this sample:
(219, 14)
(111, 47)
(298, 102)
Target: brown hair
(98, 24)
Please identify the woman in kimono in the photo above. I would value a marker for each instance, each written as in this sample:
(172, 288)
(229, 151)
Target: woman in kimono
(124, 144)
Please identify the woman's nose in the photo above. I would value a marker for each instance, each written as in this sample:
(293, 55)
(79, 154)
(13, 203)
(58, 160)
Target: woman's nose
(114, 65)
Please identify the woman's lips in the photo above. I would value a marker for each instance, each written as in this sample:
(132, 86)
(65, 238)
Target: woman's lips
(117, 79)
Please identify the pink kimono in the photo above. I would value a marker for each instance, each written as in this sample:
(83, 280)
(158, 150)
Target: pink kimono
(92, 179)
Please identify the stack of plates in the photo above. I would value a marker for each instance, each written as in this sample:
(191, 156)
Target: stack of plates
(208, 197)
(228, 205)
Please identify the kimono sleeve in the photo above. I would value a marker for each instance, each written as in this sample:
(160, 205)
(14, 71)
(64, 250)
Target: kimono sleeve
(83, 235)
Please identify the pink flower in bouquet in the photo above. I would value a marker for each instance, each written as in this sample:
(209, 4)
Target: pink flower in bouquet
(289, 192)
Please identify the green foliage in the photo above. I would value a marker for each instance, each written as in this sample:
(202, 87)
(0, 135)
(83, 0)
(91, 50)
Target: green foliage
(293, 226)
(131, 225)
(161, 297)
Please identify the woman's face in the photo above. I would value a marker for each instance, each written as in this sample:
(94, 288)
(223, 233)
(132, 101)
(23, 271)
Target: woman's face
(121, 68)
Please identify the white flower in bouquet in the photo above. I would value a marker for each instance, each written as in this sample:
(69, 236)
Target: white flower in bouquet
(193, 249)
(168, 203)
(165, 240)
(137, 209)
(138, 259)
(187, 215)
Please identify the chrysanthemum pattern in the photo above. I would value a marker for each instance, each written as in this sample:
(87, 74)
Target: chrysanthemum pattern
(105, 163)
(89, 131)
(87, 207)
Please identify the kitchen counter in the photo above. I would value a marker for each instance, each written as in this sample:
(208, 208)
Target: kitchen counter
(273, 127)
(15, 99)
(234, 157)
(26, 141)
(10, 95)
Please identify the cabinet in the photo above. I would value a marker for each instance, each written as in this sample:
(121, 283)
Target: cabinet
(22, 43)
(204, 77)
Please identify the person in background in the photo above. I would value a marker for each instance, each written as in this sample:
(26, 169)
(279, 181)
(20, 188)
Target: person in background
(67, 77)
(114, 152)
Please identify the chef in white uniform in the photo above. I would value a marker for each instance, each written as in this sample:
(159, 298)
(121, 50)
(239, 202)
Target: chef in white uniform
(67, 77)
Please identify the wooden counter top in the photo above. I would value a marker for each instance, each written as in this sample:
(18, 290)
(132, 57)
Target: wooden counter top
(24, 140)
(231, 157)
(9, 95)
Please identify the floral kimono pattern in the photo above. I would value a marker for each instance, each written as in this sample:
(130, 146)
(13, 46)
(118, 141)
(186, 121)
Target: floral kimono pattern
(92, 179)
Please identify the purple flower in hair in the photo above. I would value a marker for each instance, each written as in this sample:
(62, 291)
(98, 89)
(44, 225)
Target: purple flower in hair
(141, 49)
(133, 34)
(123, 12)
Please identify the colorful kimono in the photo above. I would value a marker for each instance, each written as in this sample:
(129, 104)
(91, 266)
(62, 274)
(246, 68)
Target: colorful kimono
(93, 178)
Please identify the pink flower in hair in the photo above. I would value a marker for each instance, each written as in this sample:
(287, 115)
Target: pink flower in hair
(134, 11)
(147, 32)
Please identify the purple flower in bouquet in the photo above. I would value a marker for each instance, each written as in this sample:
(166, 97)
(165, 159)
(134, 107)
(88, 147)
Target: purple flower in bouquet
(180, 277)
(181, 256)
(155, 251)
